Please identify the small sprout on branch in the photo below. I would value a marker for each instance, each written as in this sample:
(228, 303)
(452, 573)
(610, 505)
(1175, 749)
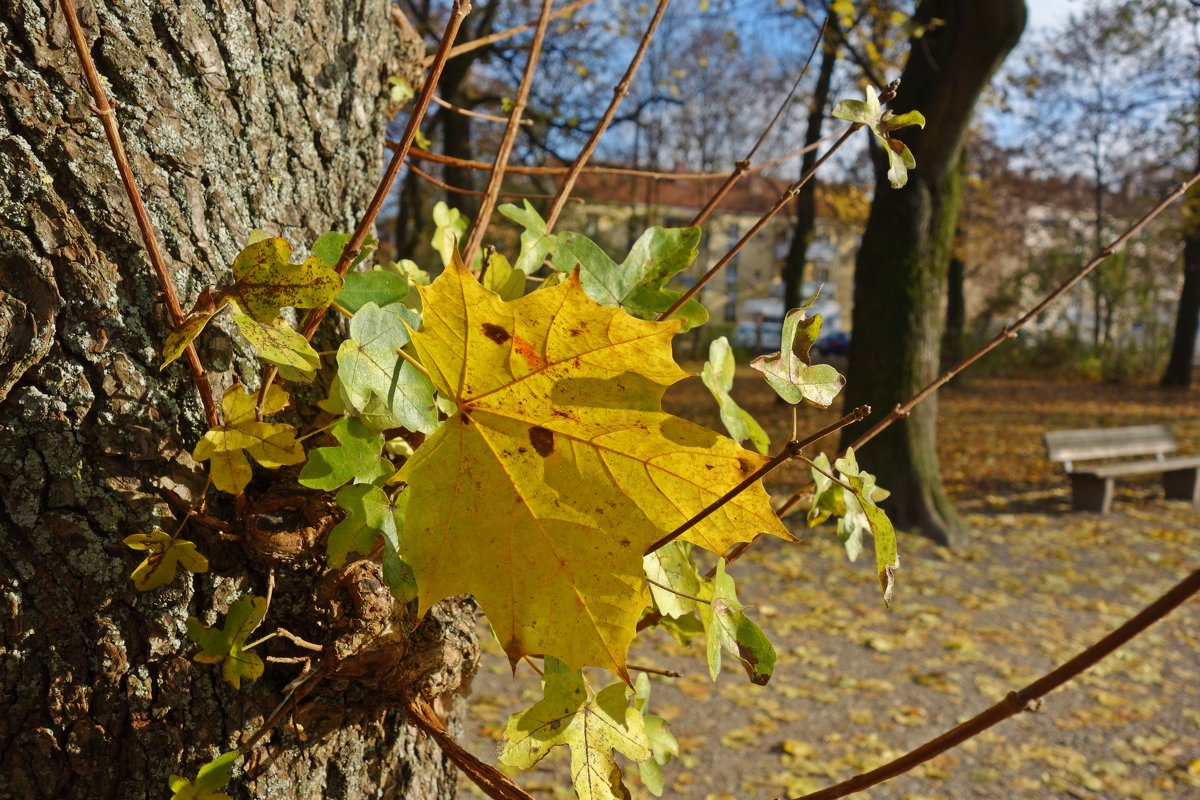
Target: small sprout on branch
(883, 124)
(212, 777)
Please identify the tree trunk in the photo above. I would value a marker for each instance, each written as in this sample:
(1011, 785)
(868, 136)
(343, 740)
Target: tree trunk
(900, 276)
(240, 116)
(1187, 318)
(806, 201)
(956, 313)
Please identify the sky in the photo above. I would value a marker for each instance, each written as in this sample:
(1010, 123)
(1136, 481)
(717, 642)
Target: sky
(1048, 13)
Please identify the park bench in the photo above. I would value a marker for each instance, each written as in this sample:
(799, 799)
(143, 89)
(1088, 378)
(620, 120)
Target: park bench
(1092, 483)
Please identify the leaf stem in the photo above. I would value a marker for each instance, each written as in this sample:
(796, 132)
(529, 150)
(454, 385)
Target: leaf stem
(417, 365)
(104, 110)
(666, 588)
(1023, 699)
(666, 673)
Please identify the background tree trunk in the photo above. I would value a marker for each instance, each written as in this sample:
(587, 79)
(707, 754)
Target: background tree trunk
(806, 200)
(237, 115)
(900, 275)
(1187, 319)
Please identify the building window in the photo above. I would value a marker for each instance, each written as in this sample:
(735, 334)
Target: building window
(731, 274)
(821, 274)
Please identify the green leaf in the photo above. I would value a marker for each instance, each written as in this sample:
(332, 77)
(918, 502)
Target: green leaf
(717, 375)
(370, 514)
(636, 284)
(369, 364)
(728, 628)
(827, 494)
(279, 344)
(672, 566)
(226, 646)
(536, 244)
(164, 556)
(684, 629)
(212, 776)
(502, 279)
(882, 124)
(791, 373)
(265, 280)
(862, 506)
(378, 287)
(593, 727)
(357, 457)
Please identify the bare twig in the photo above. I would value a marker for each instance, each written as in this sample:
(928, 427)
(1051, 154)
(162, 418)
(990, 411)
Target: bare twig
(666, 673)
(492, 781)
(417, 154)
(108, 120)
(484, 217)
(299, 691)
(350, 251)
(743, 166)
(1020, 700)
(790, 450)
(788, 195)
(619, 92)
(425, 176)
(466, 112)
(499, 36)
(1010, 331)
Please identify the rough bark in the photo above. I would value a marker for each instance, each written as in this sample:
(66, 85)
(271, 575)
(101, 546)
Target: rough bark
(900, 275)
(806, 201)
(237, 115)
(956, 312)
(1187, 317)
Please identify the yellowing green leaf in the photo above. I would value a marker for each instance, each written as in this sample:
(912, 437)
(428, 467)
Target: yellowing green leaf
(369, 364)
(211, 777)
(663, 745)
(728, 628)
(278, 343)
(502, 279)
(207, 305)
(717, 375)
(882, 124)
(862, 502)
(450, 228)
(672, 567)
(543, 491)
(266, 281)
(536, 243)
(165, 554)
(378, 286)
(226, 646)
(593, 727)
(226, 446)
(370, 514)
(356, 458)
(791, 373)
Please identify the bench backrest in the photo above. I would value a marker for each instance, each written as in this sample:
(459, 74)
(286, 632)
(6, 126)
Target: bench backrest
(1089, 444)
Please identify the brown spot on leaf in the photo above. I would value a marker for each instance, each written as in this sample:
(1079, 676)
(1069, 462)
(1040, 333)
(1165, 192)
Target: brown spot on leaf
(495, 333)
(746, 465)
(542, 441)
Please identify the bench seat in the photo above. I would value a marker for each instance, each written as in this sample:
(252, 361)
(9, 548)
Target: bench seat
(1092, 483)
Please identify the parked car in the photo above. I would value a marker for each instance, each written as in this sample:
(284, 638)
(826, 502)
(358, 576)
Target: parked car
(833, 344)
(759, 337)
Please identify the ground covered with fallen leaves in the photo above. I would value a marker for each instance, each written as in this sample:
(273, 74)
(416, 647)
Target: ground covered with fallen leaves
(857, 684)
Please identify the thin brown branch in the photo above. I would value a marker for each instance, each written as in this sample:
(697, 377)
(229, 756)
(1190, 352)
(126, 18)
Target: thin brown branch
(790, 450)
(1020, 700)
(743, 166)
(466, 112)
(666, 673)
(400, 153)
(108, 120)
(657, 175)
(492, 781)
(622, 89)
(1010, 331)
(499, 36)
(788, 195)
(484, 217)
(425, 176)
(299, 691)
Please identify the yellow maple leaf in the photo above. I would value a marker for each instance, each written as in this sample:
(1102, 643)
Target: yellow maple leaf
(272, 444)
(558, 470)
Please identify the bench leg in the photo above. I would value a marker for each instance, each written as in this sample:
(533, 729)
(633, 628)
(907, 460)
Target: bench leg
(1183, 484)
(1091, 493)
